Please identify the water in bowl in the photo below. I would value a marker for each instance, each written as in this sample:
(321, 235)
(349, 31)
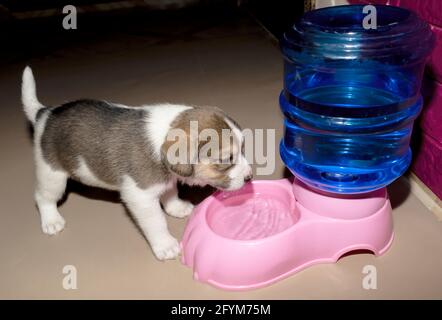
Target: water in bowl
(251, 216)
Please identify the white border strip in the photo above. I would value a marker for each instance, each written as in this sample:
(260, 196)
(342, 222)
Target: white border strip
(424, 194)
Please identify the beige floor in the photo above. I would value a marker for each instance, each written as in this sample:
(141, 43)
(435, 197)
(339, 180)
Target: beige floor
(234, 67)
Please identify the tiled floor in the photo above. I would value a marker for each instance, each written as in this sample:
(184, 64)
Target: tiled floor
(232, 65)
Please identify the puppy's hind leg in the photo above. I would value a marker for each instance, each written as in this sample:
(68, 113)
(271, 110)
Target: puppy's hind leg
(145, 206)
(50, 187)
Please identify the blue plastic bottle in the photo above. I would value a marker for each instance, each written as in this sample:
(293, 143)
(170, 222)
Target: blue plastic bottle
(351, 96)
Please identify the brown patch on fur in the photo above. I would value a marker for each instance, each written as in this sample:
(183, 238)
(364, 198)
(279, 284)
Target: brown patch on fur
(214, 171)
(209, 173)
(181, 169)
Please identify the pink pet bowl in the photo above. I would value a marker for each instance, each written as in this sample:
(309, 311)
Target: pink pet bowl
(271, 229)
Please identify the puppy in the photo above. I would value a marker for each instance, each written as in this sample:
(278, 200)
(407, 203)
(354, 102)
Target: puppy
(127, 149)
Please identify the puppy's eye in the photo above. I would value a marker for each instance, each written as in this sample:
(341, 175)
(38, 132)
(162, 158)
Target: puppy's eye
(231, 158)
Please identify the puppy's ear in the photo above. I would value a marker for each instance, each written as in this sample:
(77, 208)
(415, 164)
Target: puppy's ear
(170, 157)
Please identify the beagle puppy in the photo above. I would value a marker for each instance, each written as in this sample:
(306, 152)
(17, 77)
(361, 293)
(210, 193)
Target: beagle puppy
(132, 150)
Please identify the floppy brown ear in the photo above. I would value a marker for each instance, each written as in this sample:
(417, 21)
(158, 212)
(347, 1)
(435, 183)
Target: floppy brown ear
(181, 169)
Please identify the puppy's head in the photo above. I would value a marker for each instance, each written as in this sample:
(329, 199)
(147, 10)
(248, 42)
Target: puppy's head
(206, 147)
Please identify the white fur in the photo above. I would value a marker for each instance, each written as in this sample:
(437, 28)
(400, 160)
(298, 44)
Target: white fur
(28, 95)
(50, 186)
(159, 121)
(86, 176)
(242, 168)
(145, 206)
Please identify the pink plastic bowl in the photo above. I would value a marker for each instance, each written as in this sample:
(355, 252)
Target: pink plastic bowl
(270, 229)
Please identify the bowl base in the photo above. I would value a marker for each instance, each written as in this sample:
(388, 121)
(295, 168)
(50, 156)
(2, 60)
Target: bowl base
(324, 228)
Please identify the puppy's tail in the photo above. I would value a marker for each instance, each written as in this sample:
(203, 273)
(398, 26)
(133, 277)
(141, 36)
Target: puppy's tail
(31, 105)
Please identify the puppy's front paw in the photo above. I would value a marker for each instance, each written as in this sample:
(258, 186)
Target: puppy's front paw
(53, 225)
(167, 248)
(179, 208)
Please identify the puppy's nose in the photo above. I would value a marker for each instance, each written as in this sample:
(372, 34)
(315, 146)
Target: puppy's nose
(248, 177)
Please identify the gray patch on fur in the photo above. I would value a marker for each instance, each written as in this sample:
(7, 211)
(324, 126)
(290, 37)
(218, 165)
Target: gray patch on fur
(111, 140)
